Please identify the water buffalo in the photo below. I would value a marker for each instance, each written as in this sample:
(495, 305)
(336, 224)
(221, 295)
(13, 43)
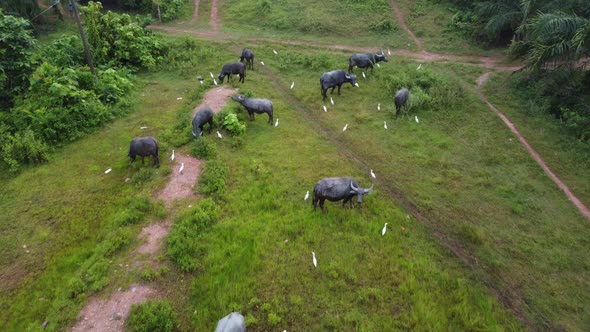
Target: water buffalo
(233, 68)
(336, 78)
(203, 116)
(335, 189)
(365, 60)
(249, 56)
(144, 146)
(255, 105)
(401, 99)
(233, 322)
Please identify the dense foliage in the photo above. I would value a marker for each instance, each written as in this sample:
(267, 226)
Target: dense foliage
(166, 10)
(152, 316)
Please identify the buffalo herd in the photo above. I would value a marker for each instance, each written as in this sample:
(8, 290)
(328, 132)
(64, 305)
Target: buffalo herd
(332, 189)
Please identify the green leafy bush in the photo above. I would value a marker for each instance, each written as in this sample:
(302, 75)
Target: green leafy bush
(212, 180)
(66, 51)
(21, 147)
(134, 210)
(233, 125)
(152, 316)
(183, 241)
(202, 148)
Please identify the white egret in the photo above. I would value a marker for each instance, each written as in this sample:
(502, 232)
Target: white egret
(419, 67)
(388, 52)
(331, 100)
(378, 65)
(385, 124)
(277, 122)
(200, 81)
(275, 52)
(142, 127)
(262, 63)
(108, 171)
(379, 106)
(315, 261)
(416, 118)
(384, 229)
(373, 174)
(210, 73)
(214, 81)
(306, 196)
(364, 76)
(181, 168)
(345, 127)
(357, 85)
(325, 109)
(179, 98)
(172, 156)
(292, 85)
(219, 134)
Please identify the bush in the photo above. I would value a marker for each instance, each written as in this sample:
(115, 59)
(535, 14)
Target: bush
(212, 180)
(152, 316)
(134, 210)
(21, 148)
(183, 240)
(202, 148)
(66, 51)
(233, 125)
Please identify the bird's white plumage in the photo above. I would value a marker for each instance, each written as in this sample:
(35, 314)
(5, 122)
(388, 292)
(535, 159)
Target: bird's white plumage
(277, 122)
(325, 108)
(200, 81)
(357, 85)
(378, 65)
(373, 174)
(108, 171)
(364, 76)
(219, 134)
(142, 127)
(181, 168)
(385, 124)
(419, 67)
(315, 261)
(179, 98)
(384, 230)
(306, 196)
(379, 106)
(388, 52)
(172, 156)
(262, 63)
(345, 127)
(275, 52)
(292, 85)
(331, 101)
(214, 81)
(416, 118)
(210, 73)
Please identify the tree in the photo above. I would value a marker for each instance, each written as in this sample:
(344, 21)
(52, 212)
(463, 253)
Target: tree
(23, 8)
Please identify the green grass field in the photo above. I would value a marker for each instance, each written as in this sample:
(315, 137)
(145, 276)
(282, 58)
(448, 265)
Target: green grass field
(478, 237)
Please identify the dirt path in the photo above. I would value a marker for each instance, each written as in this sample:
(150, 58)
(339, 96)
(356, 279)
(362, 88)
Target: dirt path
(110, 314)
(196, 12)
(401, 20)
(214, 18)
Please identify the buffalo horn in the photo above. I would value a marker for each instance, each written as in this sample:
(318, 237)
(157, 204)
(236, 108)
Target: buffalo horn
(353, 187)
(369, 189)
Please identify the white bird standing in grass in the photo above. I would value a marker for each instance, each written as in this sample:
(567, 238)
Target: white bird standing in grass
(416, 118)
(379, 106)
(419, 67)
(214, 81)
(108, 171)
(384, 230)
(219, 134)
(306, 196)
(325, 109)
(388, 52)
(315, 261)
(275, 52)
(262, 63)
(345, 127)
(181, 168)
(200, 81)
(331, 100)
(364, 76)
(292, 85)
(142, 127)
(210, 73)
(277, 122)
(373, 174)
(172, 156)
(385, 124)
(357, 85)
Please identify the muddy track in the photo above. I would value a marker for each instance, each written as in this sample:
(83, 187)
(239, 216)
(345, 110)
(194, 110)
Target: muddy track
(401, 20)
(196, 12)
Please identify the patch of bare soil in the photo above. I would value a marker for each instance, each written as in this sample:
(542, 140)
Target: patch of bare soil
(181, 184)
(196, 12)
(214, 18)
(153, 235)
(481, 81)
(402, 22)
(216, 98)
(110, 315)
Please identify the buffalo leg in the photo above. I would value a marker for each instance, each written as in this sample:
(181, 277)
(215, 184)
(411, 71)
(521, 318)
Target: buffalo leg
(334, 87)
(322, 200)
(339, 86)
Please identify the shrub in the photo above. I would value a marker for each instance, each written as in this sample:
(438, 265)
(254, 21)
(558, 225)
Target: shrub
(21, 148)
(203, 148)
(152, 316)
(66, 51)
(233, 125)
(134, 210)
(212, 180)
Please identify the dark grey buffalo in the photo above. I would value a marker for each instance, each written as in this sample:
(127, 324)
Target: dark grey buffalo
(249, 56)
(335, 189)
(401, 99)
(336, 78)
(256, 105)
(144, 146)
(233, 322)
(203, 116)
(365, 60)
(231, 69)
